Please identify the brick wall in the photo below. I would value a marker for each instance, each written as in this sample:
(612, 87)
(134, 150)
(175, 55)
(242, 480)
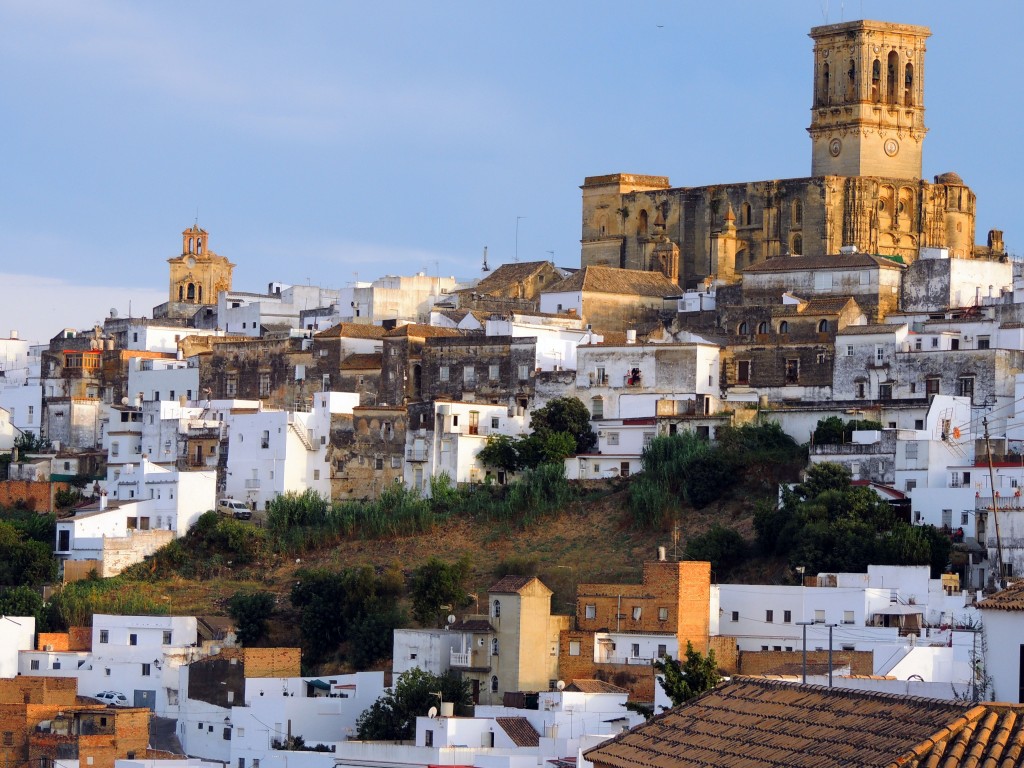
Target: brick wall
(726, 654)
(637, 679)
(29, 689)
(34, 495)
(790, 662)
(80, 639)
(54, 641)
(272, 662)
(75, 639)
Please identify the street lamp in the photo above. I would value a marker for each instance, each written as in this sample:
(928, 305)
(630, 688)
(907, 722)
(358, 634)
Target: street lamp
(804, 624)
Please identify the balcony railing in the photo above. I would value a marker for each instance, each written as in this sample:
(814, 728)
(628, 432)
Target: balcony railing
(416, 454)
(469, 659)
(252, 484)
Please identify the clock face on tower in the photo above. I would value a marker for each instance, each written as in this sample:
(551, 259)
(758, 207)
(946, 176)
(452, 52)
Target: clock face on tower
(835, 147)
(191, 262)
(891, 147)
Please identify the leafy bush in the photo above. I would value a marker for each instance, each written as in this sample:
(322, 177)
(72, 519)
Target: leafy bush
(23, 560)
(723, 547)
(251, 611)
(393, 715)
(73, 605)
(437, 583)
(832, 430)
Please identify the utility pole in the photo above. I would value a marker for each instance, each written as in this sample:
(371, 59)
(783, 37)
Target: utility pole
(830, 628)
(804, 624)
(995, 504)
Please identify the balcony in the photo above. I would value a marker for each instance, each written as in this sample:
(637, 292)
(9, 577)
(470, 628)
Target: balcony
(469, 660)
(252, 485)
(417, 454)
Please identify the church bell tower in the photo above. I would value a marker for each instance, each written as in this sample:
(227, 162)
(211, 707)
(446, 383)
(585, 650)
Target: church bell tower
(868, 113)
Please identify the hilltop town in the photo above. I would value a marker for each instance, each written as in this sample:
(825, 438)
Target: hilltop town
(843, 347)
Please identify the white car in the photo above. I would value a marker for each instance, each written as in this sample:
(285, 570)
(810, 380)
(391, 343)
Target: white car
(112, 698)
(234, 508)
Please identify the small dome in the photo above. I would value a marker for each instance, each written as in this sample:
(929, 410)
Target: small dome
(949, 178)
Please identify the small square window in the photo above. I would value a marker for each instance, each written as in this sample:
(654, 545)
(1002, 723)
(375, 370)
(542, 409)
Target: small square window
(167, 637)
(787, 617)
(735, 615)
(146, 670)
(104, 635)
(133, 639)
(663, 614)
(637, 612)
(769, 616)
(34, 664)
(574, 647)
(590, 611)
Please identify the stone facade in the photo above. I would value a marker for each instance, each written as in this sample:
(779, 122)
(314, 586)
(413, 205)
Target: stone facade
(865, 190)
(366, 451)
(486, 369)
(257, 369)
(198, 274)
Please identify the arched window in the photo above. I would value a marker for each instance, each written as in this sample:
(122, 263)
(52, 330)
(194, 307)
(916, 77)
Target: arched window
(891, 73)
(199, 246)
(494, 646)
(744, 329)
(190, 294)
(851, 81)
(798, 245)
(762, 327)
(190, 245)
(876, 80)
(798, 213)
(908, 86)
(641, 223)
(494, 683)
(496, 612)
(181, 292)
(745, 216)
(784, 326)
(823, 326)
(823, 97)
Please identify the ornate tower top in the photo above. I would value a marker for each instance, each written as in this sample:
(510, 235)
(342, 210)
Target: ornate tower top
(193, 240)
(868, 112)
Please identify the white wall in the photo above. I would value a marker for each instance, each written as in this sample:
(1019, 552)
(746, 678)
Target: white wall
(1004, 636)
(17, 633)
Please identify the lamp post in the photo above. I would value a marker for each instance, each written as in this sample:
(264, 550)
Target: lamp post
(830, 628)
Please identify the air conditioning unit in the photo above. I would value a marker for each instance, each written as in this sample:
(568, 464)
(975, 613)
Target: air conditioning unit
(600, 433)
(48, 647)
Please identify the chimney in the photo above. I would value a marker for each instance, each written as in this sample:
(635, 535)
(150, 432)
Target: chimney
(103, 500)
(631, 336)
(661, 554)
(14, 334)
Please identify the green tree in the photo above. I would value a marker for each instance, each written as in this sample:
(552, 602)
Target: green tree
(565, 414)
(501, 451)
(437, 583)
(723, 547)
(393, 715)
(24, 562)
(23, 601)
(685, 680)
(29, 442)
(251, 611)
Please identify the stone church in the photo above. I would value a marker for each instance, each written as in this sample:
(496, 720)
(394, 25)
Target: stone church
(196, 276)
(865, 188)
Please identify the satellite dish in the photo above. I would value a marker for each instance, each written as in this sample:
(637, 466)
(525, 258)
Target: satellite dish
(432, 712)
(560, 685)
(124, 401)
(113, 312)
(451, 618)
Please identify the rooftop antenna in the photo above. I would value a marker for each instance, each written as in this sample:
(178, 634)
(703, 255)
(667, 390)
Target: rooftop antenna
(196, 223)
(486, 268)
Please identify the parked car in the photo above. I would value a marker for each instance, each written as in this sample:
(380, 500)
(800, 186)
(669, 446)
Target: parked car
(113, 698)
(237, 509)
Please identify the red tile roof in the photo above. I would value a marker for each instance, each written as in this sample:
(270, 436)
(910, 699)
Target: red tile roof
(594, 686)
(632, 282)
(753, 723)
(511, 584)
(1009, 599)
(352, 331)
(520, 731)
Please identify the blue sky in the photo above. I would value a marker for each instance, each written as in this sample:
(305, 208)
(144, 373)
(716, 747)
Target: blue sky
(325, 140)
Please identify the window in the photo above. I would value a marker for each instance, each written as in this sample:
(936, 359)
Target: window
(396, 462)
(983, 342)
(742, 371)
(935, 342)
(378, 463)
(115, 449)
(769, 616)
(792, 371)
(662, 650)
(494, 682)
(784, 326)
(428, 738)
(762, 327)
(849, 350)
(965, 386)
(947, 517)
(910, 485)
(847, 617)
(316, 474)
(494, 646)
(964, 518)
(264, 384)
(167, 637)
(524, 372)
(613, 438)
(8, 738)
(34, 664)
(819, 617)
(231, 386)
(885, 391)
(787, 617)
(469, 376)
(735, 615)
(879, 354)
(133, 639)
(443, 373)
(911, 451)
(634, 650)
(496, 609)
(597, 408)
(493, 372)
(104, 635)
(743, 329)
(265, 439)
(590, 611)
(574, 647)
(146, 670)
(663, 614)
(637, 612)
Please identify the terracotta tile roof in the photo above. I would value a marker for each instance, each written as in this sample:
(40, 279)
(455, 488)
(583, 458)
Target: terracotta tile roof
(1009, 599)
(511, 584)
(863, 330)
(594, 686)
(362, 361)
(806, 263)
(520, 731)
(825, 305)
(635, 282)
(507, 275)
(752, 723)
(421, 331)
(472, 625)
(352, 331)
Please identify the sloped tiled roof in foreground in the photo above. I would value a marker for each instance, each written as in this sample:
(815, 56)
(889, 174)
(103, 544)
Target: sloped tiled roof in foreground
(1009, 599)
(752, 723)
(520, 731)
